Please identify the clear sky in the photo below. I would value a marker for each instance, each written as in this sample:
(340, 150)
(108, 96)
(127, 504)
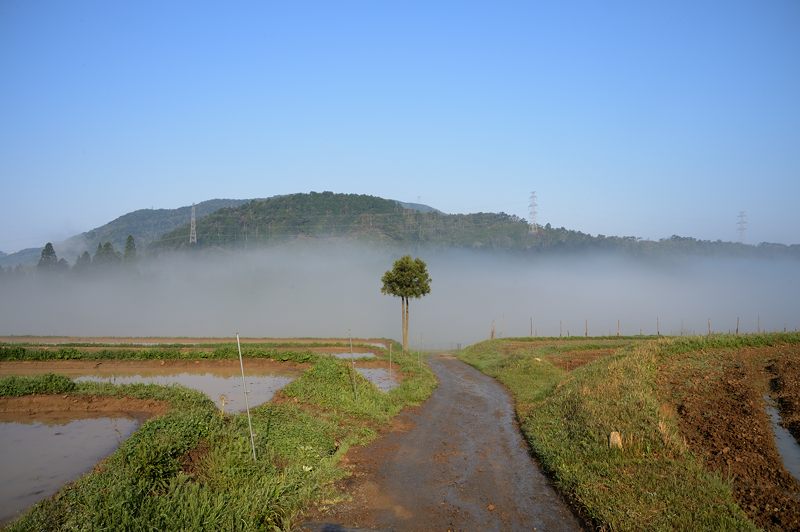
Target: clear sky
(627, 118)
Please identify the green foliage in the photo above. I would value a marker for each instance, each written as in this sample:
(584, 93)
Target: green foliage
(654, 483)
(48, 261)
(335, 385)
(130, 250)
(373, 219)
(106, 255)
(192, 469)
(407, 278)
(218, 351)
(14, 386)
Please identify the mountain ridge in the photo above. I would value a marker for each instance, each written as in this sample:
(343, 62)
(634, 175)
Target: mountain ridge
(318, 215)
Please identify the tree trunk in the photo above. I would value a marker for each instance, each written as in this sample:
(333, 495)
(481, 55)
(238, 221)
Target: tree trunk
(406, 324)
(403, 321)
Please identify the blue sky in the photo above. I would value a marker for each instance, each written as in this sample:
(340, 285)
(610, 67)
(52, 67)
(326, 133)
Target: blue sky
(627, 118)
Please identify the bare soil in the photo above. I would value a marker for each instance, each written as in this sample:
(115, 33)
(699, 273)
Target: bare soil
(60, 408)
(570, 360)
(150, 341)
(456, 463)
(723, 417)
(145, 367)
(785, 386)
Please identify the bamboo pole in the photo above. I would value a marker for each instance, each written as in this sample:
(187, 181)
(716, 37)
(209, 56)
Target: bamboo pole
(246, 402)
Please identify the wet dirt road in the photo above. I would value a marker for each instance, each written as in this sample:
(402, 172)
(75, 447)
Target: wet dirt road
(456, 463)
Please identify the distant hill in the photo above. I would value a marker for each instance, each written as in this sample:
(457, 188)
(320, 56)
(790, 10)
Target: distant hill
(377, 220)
(362, 217)
(319, 215)
(146, 225)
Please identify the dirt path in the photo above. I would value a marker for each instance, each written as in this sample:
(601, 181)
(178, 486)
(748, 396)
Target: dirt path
(457, 463)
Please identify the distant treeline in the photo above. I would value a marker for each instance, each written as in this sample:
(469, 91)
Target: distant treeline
(105, 257)
(374, 220)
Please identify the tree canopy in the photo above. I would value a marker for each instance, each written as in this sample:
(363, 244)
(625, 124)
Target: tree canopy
(408, 278)
(48, 260)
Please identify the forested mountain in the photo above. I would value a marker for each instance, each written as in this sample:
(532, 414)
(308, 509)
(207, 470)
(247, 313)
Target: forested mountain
(378, 220)
(250, 223)
(145, 225)
(362, 217)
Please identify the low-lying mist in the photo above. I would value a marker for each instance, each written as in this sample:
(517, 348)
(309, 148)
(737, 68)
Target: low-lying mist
(327, 289)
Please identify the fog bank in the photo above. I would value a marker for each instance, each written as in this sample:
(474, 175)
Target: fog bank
(328, 289)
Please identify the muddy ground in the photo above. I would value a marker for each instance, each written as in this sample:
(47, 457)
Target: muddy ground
(72, 368)
(61, 408)
(570, 360)
(722, 415)
(458, 463)
(150, 341)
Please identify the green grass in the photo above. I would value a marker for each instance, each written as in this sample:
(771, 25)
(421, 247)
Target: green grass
(654, 482)
(150, 482)
(282, 351)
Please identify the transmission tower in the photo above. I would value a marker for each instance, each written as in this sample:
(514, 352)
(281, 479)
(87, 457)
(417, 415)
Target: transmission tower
(532, 206)
(742, 225)
(193, 229)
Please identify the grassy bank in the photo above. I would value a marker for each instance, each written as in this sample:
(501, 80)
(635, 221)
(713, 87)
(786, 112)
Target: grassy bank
(192, 469)
(300, 351)
(656, 481)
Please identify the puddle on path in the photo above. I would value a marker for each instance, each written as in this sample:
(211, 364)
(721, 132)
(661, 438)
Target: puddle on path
(380, 378)
(39, 458)
(260, 388)
(787, 446)
(353, 356)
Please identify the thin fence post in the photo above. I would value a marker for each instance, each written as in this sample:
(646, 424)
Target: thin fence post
(246, 402)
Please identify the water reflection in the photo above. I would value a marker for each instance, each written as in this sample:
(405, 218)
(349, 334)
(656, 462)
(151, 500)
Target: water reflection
(39, 458)
(225, 391)
(787, 446)
(379, 377)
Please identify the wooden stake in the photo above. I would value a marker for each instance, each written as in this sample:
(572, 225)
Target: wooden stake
(246, 403)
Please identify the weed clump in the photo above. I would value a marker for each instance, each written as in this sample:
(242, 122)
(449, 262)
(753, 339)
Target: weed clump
(43, 384)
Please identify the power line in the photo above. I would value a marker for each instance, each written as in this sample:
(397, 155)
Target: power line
(532, 206)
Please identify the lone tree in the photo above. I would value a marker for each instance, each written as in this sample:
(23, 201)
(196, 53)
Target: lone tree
(130, 250)
(48, 261)
(408, 278)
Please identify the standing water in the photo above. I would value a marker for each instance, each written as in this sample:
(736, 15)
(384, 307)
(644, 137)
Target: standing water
(38, 458)
(226, 391)
(379, 377)
(787, 446)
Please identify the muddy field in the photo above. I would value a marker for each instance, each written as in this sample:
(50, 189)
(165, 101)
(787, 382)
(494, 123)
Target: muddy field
(72, 368)
(722, 414)
(570, 360)
(58, 408)
(163, 340)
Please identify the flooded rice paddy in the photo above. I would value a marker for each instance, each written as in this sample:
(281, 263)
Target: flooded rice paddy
(220, 380)
(44, 449)
(39, 457)
(353, 356)
(788, 447)
(380, 378)
(225, 391)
